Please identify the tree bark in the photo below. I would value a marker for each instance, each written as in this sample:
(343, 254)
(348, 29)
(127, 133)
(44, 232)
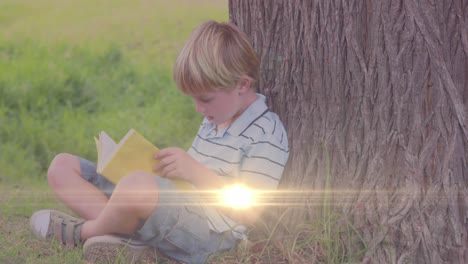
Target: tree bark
(380, 89)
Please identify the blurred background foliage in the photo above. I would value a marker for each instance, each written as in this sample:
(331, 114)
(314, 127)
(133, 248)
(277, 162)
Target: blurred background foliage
(69, 69)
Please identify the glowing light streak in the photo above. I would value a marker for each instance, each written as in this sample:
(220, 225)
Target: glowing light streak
(238, 196)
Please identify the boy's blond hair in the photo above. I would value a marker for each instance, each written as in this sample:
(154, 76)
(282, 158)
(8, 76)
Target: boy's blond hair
(216, 56)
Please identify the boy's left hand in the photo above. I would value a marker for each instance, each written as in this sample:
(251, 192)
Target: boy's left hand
(176, 163)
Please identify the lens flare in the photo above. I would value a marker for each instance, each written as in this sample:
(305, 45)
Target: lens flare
(238, 196)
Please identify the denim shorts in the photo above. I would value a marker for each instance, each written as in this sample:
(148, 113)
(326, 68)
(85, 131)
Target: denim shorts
(177, 228)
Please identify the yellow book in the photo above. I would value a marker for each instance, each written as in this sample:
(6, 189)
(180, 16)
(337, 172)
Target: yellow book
(133, 153)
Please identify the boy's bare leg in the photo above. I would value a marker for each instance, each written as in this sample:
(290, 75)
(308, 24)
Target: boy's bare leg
(132, 202)
(83, 198)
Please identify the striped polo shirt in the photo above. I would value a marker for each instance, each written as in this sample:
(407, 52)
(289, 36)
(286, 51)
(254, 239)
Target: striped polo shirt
(253, 150)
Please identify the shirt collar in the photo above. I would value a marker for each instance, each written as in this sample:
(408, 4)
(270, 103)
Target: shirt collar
(252, 113)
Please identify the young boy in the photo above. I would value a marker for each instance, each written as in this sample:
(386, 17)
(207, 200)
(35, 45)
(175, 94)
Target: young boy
(239, 141)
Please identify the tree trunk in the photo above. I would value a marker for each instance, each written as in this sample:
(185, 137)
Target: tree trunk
(380, 90)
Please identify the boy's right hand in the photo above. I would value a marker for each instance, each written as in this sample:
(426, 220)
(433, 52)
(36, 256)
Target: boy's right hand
(176, 163)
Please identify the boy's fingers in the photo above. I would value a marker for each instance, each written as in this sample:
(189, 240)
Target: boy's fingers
(168, 170)
(157, 168)
(163, 153)
(163, 163)
(158, 155)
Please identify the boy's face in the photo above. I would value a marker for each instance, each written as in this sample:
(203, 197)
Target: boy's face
(220, 107)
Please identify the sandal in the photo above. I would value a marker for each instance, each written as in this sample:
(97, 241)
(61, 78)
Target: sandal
(52, 224)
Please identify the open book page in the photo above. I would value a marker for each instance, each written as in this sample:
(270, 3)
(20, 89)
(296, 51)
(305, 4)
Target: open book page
(105, 149)
(133, 153)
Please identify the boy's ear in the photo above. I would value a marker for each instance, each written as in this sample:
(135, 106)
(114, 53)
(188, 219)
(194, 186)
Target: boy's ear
(244, 85)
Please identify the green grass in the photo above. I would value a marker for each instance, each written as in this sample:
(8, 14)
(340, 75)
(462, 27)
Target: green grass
(69, 69)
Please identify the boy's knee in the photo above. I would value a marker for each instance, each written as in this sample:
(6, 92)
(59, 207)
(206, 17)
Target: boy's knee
(61, 166)
(141, 190)
(138, 180)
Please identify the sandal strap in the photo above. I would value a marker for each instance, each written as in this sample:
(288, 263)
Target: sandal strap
(69, 234)
(67, 230)
(58, 229)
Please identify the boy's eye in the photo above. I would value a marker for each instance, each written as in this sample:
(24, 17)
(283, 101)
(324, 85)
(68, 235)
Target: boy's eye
(205, 100)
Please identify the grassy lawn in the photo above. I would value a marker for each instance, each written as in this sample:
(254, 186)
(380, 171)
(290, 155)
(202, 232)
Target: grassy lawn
(70, 69)
(20, 246)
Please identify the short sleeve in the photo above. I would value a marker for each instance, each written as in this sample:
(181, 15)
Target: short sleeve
(263, 163)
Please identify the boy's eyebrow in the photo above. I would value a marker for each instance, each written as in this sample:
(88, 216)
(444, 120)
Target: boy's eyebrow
(202, 96)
